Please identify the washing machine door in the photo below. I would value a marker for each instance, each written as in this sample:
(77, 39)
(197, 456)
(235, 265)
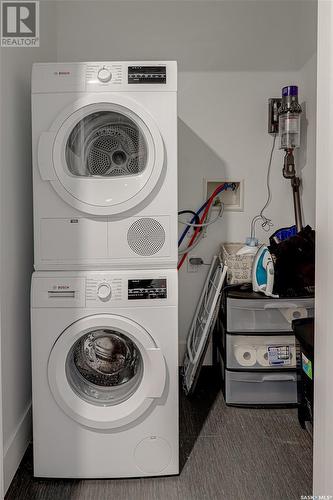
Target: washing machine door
(105, 370)
(103, 155)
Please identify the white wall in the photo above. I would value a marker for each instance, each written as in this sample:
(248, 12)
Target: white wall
(16, 238)
(203, 35)
(233, 56)
(1, 312)
(223, 135)
(323, 409)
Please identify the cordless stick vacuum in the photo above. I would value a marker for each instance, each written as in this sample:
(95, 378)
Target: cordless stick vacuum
(289, 114)
(289, 129)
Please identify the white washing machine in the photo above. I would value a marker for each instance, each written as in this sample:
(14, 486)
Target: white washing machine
(104, 138)
(105, 374)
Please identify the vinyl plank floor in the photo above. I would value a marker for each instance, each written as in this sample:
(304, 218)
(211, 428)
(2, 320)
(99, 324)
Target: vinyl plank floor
(225, 453)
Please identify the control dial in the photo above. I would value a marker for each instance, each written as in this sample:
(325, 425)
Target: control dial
(104, 75)
(104, 291)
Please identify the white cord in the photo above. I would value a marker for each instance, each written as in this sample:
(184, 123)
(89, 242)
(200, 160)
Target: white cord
(266, 222)
(195, 244)
(204, 224)
(198, 239)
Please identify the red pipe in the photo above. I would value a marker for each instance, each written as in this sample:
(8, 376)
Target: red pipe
(197, 229)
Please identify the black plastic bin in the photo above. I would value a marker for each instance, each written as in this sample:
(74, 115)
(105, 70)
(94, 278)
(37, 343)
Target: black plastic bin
(304, 333)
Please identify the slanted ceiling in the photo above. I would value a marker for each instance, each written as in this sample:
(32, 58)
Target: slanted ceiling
(237, 35)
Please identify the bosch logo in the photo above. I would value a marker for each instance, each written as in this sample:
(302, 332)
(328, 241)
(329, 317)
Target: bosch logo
(62, 287)
(62, 73)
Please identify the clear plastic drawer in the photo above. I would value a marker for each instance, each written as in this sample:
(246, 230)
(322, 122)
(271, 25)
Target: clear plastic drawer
(253, 352)
(248, 315)
(255, 388)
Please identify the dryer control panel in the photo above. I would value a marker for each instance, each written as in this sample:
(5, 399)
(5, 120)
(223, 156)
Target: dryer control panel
(104, 76)
(104, 73)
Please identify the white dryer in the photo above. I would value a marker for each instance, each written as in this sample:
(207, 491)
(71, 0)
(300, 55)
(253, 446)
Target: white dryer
(104, 138)
(105, 374)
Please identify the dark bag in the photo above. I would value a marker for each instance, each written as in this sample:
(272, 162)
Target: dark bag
(294, 264)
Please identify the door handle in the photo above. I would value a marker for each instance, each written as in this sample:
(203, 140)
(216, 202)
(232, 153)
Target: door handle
(45, 156)
(157, 373)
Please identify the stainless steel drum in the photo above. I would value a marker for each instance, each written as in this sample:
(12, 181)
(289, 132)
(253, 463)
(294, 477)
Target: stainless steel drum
(106, 143)
(104, 366)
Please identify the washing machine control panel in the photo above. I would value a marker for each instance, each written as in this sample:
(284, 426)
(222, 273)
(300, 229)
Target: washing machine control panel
(114, 289)
(143, 289)
(103, 289)
(104, 75)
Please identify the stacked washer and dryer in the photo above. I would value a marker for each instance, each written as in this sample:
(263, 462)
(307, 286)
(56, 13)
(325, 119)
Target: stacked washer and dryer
(104, 305)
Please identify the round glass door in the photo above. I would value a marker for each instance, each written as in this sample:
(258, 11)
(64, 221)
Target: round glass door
(105, 370)
(103, 158)
(104, 367)
(106, 144)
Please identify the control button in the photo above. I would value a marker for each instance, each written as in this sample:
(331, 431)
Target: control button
(104, 291)
(104, 75)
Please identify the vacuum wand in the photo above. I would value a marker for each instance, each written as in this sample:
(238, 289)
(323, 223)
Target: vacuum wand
(289, 172)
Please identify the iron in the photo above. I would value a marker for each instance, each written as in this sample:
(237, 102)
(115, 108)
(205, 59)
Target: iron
(263, 272)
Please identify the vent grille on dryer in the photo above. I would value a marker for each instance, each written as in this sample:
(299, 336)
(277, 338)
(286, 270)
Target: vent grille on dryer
(146, 236)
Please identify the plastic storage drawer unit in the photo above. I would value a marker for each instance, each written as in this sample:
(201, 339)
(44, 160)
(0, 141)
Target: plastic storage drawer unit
(253, 352)
(257, 388)
(267, 315)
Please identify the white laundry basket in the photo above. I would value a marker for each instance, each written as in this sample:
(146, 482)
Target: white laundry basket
(239, 266)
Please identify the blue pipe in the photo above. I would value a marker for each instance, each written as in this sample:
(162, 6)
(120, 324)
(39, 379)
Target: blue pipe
(225, 187)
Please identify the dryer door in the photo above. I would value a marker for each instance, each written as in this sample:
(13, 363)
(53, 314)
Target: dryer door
(105, 370)
(104, 155)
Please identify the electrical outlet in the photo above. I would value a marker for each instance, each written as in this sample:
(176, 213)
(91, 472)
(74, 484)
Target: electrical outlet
(232, 198)
(190, 267)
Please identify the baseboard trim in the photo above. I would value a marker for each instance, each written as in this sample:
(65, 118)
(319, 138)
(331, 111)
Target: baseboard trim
(16, 446)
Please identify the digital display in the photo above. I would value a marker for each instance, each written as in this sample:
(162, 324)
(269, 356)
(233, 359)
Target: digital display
(147, 74)
(147, 289)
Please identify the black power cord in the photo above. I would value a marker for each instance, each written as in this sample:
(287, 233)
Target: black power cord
(197, 218)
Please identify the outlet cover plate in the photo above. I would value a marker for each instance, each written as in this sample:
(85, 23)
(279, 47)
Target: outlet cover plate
(233, 200)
